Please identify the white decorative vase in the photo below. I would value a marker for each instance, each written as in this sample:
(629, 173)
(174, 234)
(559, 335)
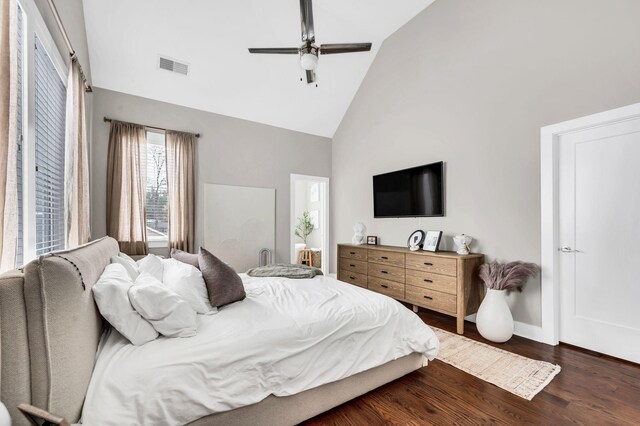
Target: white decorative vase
(494, 319)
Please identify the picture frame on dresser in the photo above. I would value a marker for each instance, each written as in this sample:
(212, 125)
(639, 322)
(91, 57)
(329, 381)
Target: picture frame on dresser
(432, 241)
(444, 282)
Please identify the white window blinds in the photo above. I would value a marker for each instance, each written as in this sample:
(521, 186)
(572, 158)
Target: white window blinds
(19, 133)
(50, 97)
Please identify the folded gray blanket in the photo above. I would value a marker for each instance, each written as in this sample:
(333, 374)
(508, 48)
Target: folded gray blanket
(285, 270)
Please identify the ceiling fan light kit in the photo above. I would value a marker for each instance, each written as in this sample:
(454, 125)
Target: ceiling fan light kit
(308, 61)
(309, 51)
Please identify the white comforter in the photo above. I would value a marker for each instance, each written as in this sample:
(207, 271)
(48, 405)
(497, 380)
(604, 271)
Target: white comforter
(285, 337)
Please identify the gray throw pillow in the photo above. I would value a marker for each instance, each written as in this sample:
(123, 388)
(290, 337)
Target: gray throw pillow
(185, 257)
(223, 284)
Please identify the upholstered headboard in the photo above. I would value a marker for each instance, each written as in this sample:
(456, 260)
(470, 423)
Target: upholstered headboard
(15, 380)
(64, 325)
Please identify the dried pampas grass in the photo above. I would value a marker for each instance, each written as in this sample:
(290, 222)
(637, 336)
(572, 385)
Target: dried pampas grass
(507, 276)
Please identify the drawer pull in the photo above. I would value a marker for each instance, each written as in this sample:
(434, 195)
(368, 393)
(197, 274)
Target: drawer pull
(353, 278)
(352, 265)
(427, 281)
(352, 252)
(428, 297)
(384, 286)
(384, 272)
(384, 257)
(428, 263)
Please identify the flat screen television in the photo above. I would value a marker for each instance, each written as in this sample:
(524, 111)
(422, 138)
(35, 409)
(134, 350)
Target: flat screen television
(414, 192)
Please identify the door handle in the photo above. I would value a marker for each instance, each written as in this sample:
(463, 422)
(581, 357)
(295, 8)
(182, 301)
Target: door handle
(567, 249)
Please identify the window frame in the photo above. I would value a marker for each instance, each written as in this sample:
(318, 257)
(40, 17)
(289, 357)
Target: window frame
(157, 242)
(34, 26)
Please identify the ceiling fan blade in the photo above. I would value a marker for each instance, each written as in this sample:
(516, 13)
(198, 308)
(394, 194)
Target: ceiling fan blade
(275, 50)
(328, 49)
(311, 76)
(306, 21)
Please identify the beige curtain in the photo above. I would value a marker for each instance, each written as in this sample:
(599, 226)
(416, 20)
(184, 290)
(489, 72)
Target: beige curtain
(180, 149)
(8, 134)
(76, 162)
(126, 181)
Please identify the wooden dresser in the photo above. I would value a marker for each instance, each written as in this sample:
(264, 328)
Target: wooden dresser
(445, 282)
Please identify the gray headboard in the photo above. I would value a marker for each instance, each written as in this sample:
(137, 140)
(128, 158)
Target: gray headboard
(15, 380)
(64, 325)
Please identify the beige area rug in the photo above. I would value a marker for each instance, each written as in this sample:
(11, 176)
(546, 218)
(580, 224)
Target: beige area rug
(519, 375)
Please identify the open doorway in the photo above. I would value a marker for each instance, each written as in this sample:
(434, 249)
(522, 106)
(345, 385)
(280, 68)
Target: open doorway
(310, 218)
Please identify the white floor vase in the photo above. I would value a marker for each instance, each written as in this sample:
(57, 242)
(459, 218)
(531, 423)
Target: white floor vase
(494, 319)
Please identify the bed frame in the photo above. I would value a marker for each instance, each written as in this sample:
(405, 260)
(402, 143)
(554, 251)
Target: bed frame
(50, 328)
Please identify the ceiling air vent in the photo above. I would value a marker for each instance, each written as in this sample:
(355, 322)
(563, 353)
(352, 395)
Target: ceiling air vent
(173, 66)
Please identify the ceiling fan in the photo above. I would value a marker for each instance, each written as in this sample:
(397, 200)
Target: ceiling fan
(309, 50)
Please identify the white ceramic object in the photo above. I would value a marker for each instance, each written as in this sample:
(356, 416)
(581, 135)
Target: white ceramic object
(462, 241)
(494, 319)
(358, 233)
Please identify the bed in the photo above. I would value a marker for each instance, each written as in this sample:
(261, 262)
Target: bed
(268, 383)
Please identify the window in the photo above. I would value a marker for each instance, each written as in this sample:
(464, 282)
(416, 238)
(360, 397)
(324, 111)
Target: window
(19, 133)
(157, 207)
(41, 117)
(50, 109)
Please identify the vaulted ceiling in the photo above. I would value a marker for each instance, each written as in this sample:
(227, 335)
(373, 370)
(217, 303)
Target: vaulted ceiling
(126, 39)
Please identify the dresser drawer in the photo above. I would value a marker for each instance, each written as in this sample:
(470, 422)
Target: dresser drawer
(437, 265)
(386, 272)
(353, 278)
(356, 253)
(387, 257)
(390, 288)
(428, 280)
(358, 266)
(430, 299)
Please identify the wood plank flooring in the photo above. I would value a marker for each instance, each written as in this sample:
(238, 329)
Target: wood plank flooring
(591, 389)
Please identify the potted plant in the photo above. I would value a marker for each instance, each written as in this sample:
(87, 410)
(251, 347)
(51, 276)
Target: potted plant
(494, 319)
(304, 227)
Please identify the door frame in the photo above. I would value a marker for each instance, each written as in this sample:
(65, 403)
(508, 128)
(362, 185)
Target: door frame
(549, 174)
(326, 250)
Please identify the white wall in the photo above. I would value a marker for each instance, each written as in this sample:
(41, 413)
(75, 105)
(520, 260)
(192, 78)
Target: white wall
(230, 152)
(471, 83)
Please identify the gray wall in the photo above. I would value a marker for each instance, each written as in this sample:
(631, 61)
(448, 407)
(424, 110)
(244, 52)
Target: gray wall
(471, 83)
(230, 151)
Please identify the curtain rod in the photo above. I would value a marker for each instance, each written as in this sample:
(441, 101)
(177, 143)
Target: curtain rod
(72, 52)
(162, 129)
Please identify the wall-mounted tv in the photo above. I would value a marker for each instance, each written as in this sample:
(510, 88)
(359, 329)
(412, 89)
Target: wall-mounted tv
(414, 192)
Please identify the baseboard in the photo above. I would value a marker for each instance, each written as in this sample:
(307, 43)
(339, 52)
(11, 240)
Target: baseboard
(528, 331)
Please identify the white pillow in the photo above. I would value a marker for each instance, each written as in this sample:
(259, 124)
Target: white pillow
(129, 264)
(125, 256)
(5, 418)
(110, 294)
(187, 281)
(151, 264)
(165, 310)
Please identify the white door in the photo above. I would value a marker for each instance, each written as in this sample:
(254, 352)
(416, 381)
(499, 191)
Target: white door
(599, 234)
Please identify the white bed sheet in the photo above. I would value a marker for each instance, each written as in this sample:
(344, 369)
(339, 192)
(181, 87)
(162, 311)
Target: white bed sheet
(285, 337)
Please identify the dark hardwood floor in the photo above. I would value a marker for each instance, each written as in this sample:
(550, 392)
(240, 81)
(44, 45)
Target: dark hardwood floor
(591, 389)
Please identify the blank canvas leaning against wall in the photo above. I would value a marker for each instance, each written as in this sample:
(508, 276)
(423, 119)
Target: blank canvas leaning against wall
(239, 221)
